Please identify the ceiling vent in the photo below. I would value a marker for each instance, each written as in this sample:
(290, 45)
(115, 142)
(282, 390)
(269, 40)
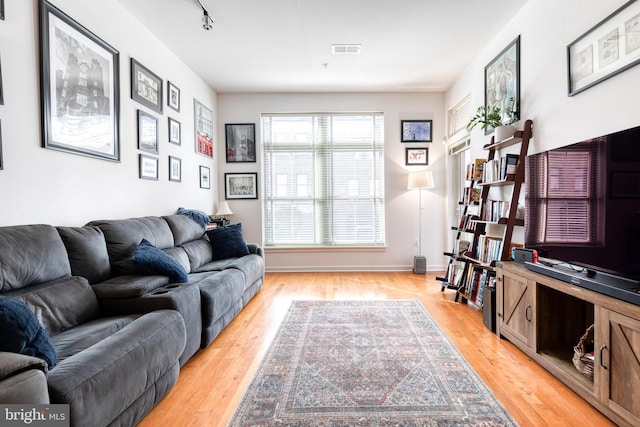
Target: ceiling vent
(346, 49)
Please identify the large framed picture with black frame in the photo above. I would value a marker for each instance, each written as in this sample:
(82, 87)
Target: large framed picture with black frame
(502, 82)
(79, 86)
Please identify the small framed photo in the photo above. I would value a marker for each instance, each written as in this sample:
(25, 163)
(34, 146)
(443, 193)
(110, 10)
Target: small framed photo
(417, 156)
(173, 96)
(175, 169)
(415, 130)
(1, 164)
(175, 132)
(146, 87)
(240, 186)
(205, 177)
(147, 132)
(148, 167)
(241, 142)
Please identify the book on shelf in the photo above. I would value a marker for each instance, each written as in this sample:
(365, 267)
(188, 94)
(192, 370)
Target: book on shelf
(511, 161)
(488, 249)
(471, 195)
(462, 247)
(495, 209)
(474, 170)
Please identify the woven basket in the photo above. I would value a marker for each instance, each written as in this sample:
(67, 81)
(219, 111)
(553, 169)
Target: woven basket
(583, 364)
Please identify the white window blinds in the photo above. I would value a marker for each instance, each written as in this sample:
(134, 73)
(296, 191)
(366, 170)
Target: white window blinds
(323, 179)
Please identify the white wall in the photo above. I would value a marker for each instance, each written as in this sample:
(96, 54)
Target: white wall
(547, 27)
(401, 205)
(47, 186)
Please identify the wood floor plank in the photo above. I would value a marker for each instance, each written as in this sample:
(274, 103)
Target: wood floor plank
(212, 383)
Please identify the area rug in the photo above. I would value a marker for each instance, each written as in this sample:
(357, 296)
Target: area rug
(365, 363)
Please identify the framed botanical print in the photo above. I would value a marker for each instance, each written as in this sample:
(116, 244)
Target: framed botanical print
(146, 87)
(91, 127)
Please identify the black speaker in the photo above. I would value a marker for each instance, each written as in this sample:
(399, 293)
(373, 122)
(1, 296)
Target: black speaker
(489, 308)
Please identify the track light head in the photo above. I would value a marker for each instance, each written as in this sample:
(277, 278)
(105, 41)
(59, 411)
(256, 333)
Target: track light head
(206, 20)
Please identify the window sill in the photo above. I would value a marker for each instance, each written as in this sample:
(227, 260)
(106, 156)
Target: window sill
(317, 249)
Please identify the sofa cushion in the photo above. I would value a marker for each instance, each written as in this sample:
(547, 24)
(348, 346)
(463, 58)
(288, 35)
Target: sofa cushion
(22, 333)
(60, 304)
(124, 235)
(129, 286)
(109, 377)
(199, 217)
(184, 229)
(31, 254)
(87, 252)
(227, 242)
(152, 260)
(199, 252)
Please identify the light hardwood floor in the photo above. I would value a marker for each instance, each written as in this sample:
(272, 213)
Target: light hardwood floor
(212, 382)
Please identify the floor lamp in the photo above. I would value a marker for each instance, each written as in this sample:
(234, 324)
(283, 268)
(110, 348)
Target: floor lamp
(420, 180)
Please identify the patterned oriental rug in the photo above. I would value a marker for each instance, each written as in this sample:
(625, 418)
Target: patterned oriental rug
(365, 363)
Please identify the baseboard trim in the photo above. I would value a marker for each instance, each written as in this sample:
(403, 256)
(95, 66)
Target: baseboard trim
(348, 268)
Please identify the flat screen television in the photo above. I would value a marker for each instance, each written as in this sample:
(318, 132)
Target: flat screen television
(583, 205)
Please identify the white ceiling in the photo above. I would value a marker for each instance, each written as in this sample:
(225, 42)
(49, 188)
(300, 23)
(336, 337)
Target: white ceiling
(283, 45)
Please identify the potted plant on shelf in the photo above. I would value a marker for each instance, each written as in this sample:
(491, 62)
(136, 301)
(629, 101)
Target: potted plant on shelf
(492, 117)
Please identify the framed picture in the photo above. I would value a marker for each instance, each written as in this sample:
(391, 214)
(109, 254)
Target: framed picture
(205, 177)
(173, 96)
(416, 156)
(175, 169)
(241, 142)
(1, 86)
(204, 128)
(146, 87)
(175, 131)
(147, 132)
(609, 48)
(91, 128)
(240, 186)
(625, 185)
(415, 131)
(1, 163)
(148, 167)
(502, 82)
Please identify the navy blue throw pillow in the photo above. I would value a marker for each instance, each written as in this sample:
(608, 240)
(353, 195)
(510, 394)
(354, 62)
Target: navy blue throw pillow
(155, 261)
(227, 242)
(21, 332)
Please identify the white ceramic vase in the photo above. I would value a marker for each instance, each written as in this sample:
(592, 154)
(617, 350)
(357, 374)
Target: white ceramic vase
(504, 132)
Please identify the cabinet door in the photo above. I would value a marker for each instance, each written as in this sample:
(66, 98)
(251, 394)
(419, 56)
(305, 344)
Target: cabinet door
(516, 311)
(618, 357)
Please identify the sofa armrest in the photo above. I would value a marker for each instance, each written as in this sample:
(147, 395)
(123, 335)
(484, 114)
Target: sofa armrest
(22, 379)
(256, 249)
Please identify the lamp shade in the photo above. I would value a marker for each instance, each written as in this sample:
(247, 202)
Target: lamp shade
(223, 209)
(420, 179)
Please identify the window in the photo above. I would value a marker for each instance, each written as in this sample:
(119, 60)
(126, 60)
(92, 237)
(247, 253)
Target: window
(323, 179)
(563, 203)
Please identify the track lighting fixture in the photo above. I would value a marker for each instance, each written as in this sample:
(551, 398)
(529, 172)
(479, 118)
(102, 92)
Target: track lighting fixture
(207, 20)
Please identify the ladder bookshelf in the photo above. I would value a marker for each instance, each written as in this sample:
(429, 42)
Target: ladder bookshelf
(485, 250)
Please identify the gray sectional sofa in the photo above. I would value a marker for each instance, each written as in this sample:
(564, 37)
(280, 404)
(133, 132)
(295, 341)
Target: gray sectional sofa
(120, 331)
